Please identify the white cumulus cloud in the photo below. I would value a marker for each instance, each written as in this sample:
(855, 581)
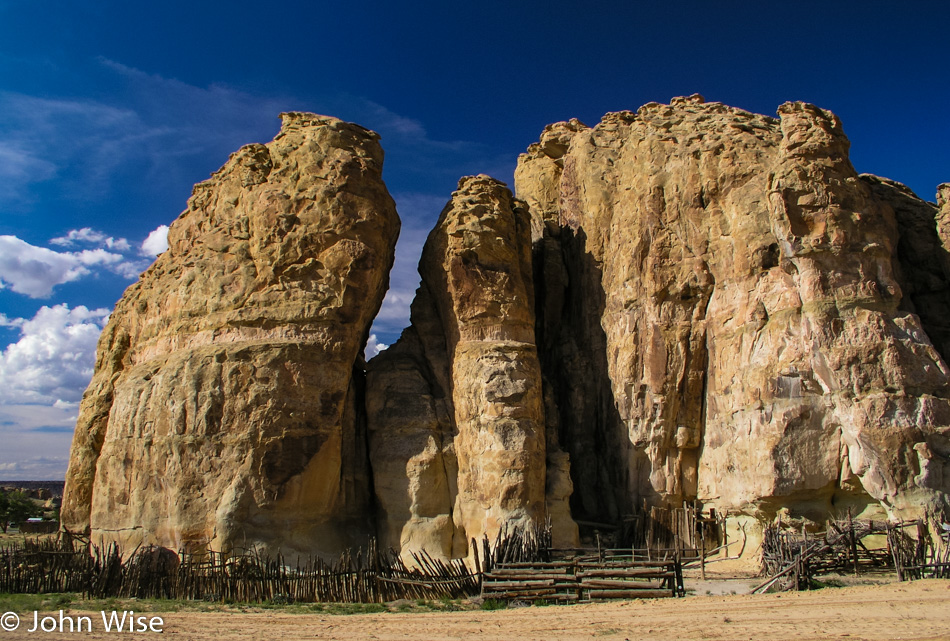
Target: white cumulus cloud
(35, 271)
(156, 242)
(93, 237)
(53, 360)
(9, 322)
(373, 347)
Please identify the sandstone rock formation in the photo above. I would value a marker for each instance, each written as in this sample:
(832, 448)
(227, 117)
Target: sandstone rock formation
(225, 412)
(943, 214)
(923, 258)
(689, 302)
(455, 408)
(723, 317)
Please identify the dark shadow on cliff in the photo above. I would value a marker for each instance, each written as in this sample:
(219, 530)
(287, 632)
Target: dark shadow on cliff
(572, 345)
(923, 261)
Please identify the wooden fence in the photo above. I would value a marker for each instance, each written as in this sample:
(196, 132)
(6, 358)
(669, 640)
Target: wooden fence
(518, 564)
(685, 531)
(913, 548)
(519, 545)
(574, 580)
(925, 552)
(368, 576)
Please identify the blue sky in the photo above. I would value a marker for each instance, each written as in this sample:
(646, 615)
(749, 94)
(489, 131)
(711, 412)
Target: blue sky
(111, 111)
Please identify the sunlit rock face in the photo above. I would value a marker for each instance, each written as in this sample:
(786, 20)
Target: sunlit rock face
(225, 409)
(455, 408)
(722, 315)
(689, 302)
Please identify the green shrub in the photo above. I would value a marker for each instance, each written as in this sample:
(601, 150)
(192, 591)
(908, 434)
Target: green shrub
(826, 583)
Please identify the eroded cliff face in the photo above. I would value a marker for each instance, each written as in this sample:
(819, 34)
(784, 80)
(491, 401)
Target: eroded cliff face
(225, 410)
(723, 320)
(455, 408)
(686, 302)
(922, 259)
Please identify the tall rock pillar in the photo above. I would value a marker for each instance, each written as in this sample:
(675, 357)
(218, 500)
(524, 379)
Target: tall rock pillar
(476, 442)
(223, 410)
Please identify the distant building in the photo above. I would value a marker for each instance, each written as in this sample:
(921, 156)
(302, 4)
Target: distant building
(38, 526)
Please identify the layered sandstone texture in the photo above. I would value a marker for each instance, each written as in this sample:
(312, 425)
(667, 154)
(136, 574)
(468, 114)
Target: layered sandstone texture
(923, 256)
(455, 408)
(224, 412)
(686, 302)
(728, 312)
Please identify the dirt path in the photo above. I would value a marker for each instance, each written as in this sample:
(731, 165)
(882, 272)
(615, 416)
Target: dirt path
(917, 610)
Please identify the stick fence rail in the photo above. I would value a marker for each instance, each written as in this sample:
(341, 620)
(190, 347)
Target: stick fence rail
(519, 565)
(579, 580)
(363, 577)
(914, 549)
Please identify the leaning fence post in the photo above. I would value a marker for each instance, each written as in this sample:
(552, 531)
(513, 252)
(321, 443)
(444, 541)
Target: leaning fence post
(854, 544)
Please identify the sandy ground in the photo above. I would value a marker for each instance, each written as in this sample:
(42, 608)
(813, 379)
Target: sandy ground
(915, 610)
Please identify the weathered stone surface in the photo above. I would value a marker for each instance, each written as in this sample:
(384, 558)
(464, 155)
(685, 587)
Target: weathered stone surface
(943, 215)
(922, 259)
(722, 319)
(455, 407)
(686, 302)
(224, 408)
(412, 449)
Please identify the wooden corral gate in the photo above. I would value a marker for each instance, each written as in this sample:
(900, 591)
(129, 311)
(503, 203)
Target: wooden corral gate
(686, 531)
(575, 580)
